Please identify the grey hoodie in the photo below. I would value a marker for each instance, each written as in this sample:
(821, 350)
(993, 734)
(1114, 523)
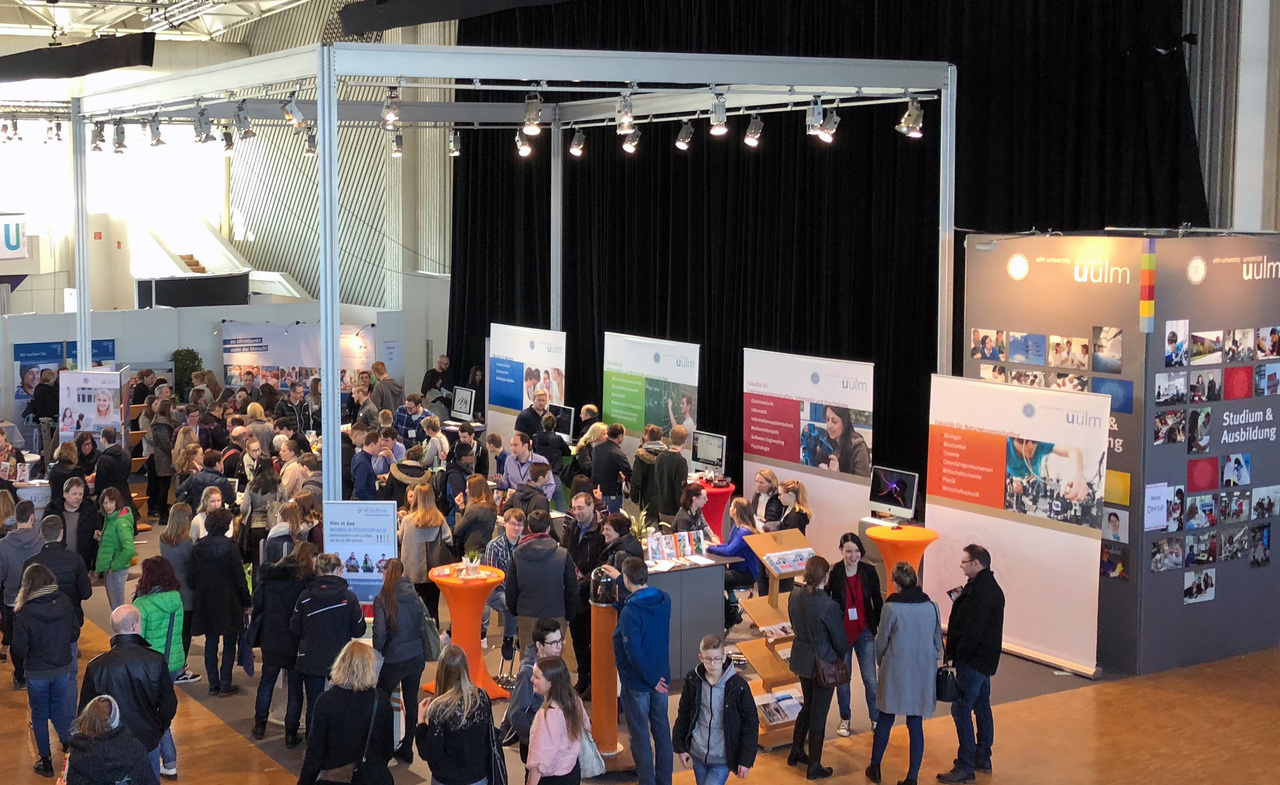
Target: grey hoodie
(16, 547)
(388, 394)
(707, 743)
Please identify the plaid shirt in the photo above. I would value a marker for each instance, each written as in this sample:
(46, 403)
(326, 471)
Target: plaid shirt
(406, 422)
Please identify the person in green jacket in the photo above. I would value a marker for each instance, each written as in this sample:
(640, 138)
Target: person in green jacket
(160, 604)
(116, 551)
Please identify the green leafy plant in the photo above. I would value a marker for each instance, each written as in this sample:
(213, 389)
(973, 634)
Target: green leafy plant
(474, 556)
(638, 525)
(185, 363)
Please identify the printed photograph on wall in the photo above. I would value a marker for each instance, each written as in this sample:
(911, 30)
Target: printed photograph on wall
(1264, 501)
(1175, 343)
(832, 438)
(1240, 346)
(1068, 352)
(1175, 505)
(1027, 378)
(1170, 427)
(1234, 506)
(1266, 379)
(1206, 347)
(1055, 481)
(993, 373)
(1166, 554)
(1107, 355)
(1235, 545)
(1235, 469)
(1198, 586)
(1200, 512)
(1268, 343)
(1260, 545)
(1113, 560)
(1199, 430)
(1116, 528)
(1171, 388)
(1201, 549)
(1206, 386)
(987, 345)
(668, 404)
(1027, 348)
(1070, 381)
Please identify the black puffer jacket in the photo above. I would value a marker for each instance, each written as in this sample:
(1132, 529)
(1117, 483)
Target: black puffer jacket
(274, 598)
(90, 523)
(326, 616)
(57, 475)
(114, 757)
(70, 570)
(137, 676)
(219, 591)
(741, 728)
(113, 470)
(193, 488)
(43, 631)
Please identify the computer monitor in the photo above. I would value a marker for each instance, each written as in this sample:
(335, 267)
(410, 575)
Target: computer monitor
(564, 420)
(893, 492)
(708, 450)
(463, 404)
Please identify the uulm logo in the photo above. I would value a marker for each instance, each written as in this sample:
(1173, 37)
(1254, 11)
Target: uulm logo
(1252, 271)
(1100, 271)
(1084, 419)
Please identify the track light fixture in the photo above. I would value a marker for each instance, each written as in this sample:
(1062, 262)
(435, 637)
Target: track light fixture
(54, 132)
(118, 134)
(310, 148)
(624, 117)
(243, 125)
(292, 114)
(397, 145)
(578, 144)
(813, 117)
(99, 137)
(455, 144)
(228, 142)
(827, 131)
(522, 145)
(719, 117)
(685, 137)
(391, 109)
(153, 128)
(204, 129)
(532, 114)
(912, 123)
(631, 141)
(752, 139)
(14, 134)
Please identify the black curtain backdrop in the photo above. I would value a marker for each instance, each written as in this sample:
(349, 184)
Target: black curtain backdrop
(1070, 118)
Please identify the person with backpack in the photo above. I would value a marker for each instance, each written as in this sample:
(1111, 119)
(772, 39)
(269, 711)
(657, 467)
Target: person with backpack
(551, 446)
(541, 581)
(462, 464)
(159, 602)
(532, 495)
(274, 597)
(325, 619)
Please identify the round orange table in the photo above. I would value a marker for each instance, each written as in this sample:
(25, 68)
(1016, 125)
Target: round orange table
(901, 543)
(466, 597)
(717, 501)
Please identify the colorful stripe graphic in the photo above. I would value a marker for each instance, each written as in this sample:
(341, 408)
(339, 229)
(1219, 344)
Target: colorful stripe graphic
(1147, 296)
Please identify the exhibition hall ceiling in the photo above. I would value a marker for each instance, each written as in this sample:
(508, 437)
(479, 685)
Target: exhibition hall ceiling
(74, 21)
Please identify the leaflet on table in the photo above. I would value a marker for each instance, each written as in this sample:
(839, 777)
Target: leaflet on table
(783, 562)
(781, 706)
(675, 546)
(780, 630)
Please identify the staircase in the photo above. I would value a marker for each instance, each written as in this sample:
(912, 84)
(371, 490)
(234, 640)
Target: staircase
(192, 263)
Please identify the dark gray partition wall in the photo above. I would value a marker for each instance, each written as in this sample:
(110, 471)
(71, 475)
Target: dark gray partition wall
(1027, 297)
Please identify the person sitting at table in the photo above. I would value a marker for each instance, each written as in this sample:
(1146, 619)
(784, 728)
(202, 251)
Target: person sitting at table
(689, 517)
(765, 505)
(795, 505)
(742, 524)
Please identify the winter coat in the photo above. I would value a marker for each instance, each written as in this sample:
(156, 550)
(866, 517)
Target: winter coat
(552, 447)
(138, 678)
(587, 551)
(301, 414)
(193, 488)
(113, 470)
(15, 548)
(156, 609)
(403, 479)
(737, 715)
(736, 545)
(644, 469)
(220, 593)
(338, 730)
(263, 432)
(326, 616)
(90, 522)
(364, 481)
(275, 594)
(387, 394)
(815, 617)
(907, 650)
(642, 639)
(116, 551)
(524, 702)
(43, 631)
(403, 644)
(608, 461)
(413, 549)
(57, 474)
(541, 580)
(180, 557)
(44, 401)
(456, 746)
(475, 528)
(280, 543)
(69, 569)
(527, 498)
(872, 602)
(773, 508)
(114, 757)
(621, 549)
(975, 628)
(670, 474)
(162, 446)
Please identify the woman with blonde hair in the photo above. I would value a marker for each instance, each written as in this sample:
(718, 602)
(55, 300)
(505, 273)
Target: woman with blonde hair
(285, 535)
(580, 463)
(210, 500)
(63, 468)
(175, 545)
(479, 517)
(455, 733)
(795, 504)
(765, 504)
(351, 725)
(419, 532)
(397, 635)
(255, 419)
(214, 385)
(102, 750)
(186, 461)
(7, 506)
(555, 740)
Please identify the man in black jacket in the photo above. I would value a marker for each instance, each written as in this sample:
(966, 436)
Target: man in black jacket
(589, 416)
(295, 406)
(716, 704)
(138, 678)
(81, 521)
(585, 543)
(114, 467)
(670, 474)
(610, 467)
(529, 421)
(210, 476)
(66, 566)
(975, 632)
(325, 618)
(541, 579)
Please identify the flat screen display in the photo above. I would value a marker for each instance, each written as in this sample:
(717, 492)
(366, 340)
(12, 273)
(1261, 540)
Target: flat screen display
(463, 404)
(564, 419)
(708, 450)
(893, 492)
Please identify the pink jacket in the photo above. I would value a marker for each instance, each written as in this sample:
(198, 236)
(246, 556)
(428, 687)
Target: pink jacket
(551, 751)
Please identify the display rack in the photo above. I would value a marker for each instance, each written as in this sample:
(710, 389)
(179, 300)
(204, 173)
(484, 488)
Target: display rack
(773, 542)
(774, 672)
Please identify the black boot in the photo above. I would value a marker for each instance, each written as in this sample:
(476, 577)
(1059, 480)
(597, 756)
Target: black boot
(907, 781)
(404, 753)
(44, 768)
(873, 773)
(291, 740)
(817, 771)
(259, 729)
(797, 758)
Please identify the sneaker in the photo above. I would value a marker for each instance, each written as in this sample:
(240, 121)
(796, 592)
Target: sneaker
(404, 753)
(43, 767)
(228, 690)
(845, 729)
(19, 684)
(259, 729)
(213, 691)
(508, 648)
(484, 644)
(955, 775)
(169, 772)
(187, 677)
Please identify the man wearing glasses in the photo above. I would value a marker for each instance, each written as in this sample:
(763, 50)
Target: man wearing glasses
(975, 632)
(548, 641)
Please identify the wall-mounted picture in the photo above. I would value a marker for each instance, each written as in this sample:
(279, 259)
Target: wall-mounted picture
(1201, 549)
(1266, 379)
(1112, 561)
(1200, 512)
(1268, 343)
(1240, 346)
(1206, 386)
(993, 373)
(834, 438)
(1175, 504)
(1260, 545)
(1055, 481)
(1235, 469)
(1175, 343)
(1264, 501)
(1027, 348)
(1027, 378)
(1237, 383)
(1166, 554)
(1068, 352)
(1171, 388)
(1199, 430)
(1170, 427)
(1198, 586)
(550, 380)
(1107, 353)
(1070, 381)
(1120, 390)
(987, 345)
(1235, 545)
(1206, 347)
(1234, 506)
(1116, 526)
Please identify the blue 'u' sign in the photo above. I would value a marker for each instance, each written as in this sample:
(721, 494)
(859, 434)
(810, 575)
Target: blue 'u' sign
(13, 236)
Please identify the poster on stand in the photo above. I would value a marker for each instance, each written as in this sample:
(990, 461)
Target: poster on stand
(650, 382)
(1022, 472)
(29, 360)
(363, 534)
(522, 360)
(809, 419)
(90, 401)
(280, 354)
(103, 351)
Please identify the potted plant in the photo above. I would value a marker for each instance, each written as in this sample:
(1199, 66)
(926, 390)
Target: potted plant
(471, 564)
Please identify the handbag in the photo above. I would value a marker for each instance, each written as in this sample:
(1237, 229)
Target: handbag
(430, 634)
(826, 674)
(438, 551)
(946, 687)
(590, 761)
(351, 773)
(497, 758)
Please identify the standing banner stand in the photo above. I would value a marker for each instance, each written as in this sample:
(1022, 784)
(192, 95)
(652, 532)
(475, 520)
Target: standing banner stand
(521, 361)
(90, 401)
(280, 354)
(363, 534)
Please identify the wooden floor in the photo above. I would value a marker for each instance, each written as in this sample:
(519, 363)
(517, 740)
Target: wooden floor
(1213, 724)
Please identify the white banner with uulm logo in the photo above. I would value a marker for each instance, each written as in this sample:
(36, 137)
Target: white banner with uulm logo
(14, 245)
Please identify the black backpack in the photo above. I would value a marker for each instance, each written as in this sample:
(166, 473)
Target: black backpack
(440, 487)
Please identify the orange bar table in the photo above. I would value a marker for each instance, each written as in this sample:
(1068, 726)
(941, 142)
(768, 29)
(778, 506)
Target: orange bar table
(466, 597)
(717, 501)
(604, 680)
(901, 543)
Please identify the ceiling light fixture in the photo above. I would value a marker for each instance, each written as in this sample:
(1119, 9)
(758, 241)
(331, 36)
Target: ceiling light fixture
(243, 125)
(912, 123)
(719, 117)
(397, 145)
(624, 116)
(292, 114)
(455, 144)
(752, 139)
(391, 109)
(827, 131)
(310, 148)
(14, 133)
(99, 137)
(228, 142)
(578, 144)
(813, 117)
(204, 129)
(632, 140)
(522, 145)
(153, 127)
(532, 114)
(685, 137)
(118, 132)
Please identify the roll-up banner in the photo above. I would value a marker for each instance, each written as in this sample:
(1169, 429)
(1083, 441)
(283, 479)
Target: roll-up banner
(280, 354)
(522, 360)
(1021, 471)
(809, 419)
(363, 534)
(90, 401)
(650, 382)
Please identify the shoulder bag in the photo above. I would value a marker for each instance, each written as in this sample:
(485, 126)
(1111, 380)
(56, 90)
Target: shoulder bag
(946, 688)
(590, 761)
(438, 551)
(352, 772)
(430, 633)
(827, 674)
(497, 758)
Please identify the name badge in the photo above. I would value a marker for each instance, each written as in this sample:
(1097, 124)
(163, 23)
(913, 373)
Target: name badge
(413, 433)
(853, 614)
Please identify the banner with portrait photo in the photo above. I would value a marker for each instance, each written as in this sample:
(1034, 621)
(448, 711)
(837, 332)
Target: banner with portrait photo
(522, 360)
(280, 354)
(650, 381)
(90, 401)
(1022, 472)
(809, 419)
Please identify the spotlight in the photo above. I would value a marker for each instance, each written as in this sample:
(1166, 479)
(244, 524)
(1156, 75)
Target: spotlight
(310, 148)
(153, 127)
(752, 139)
(532, 114)
(624, 118)
(57, 131)
(391, 109)
(912, 123)
(228, 142)
(522, 145)
(578, 144)
(4, 129)
(632, 140)
(827, 131)
(14, 134)
(204, 129)
(719, 117)
(397, 145)
(99, 137)
(242, 122)
(455, 144)
(292, 114)
(813, 117)
(118, 133)
(685, 137)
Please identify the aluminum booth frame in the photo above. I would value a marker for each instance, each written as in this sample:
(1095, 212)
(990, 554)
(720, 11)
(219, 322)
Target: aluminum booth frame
(662, 87)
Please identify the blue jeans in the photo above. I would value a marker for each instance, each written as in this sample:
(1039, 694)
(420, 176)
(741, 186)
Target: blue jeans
(498, 601)
(219, 678)
(614, 503)
(114, 582)
(915, 729)
(266, 691)
(153, 757)
(168, 750)
(975, 699)
(52, 700)
(710, 773)
(865, 648)
(645, 711)
(314, 686)
(557, 499)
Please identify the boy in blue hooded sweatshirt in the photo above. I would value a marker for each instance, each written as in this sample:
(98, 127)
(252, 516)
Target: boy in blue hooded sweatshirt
(642, 648)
